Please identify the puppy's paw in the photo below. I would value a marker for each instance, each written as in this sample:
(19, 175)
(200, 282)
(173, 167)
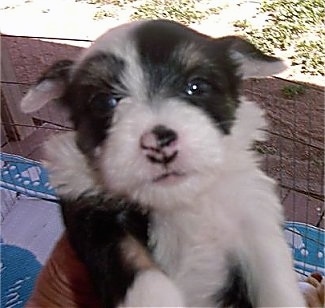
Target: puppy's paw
(152, 288)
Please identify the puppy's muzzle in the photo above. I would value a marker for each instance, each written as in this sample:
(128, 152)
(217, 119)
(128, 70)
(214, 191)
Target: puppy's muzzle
(160, 145)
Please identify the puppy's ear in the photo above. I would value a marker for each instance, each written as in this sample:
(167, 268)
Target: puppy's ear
(252, 62)
(49, 87)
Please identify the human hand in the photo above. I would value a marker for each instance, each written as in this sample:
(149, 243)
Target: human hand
(63, 281)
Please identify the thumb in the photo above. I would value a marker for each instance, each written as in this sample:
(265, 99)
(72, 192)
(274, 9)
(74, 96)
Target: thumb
(64, 281)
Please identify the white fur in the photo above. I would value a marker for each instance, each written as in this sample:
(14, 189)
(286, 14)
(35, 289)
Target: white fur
(118, 41)
(236, 217)
(40, 95)
(70, 174)
(113, 40)
(254, 68)
(152, 288)
(121, 155)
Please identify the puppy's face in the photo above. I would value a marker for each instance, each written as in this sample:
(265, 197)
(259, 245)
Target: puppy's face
(153, 104)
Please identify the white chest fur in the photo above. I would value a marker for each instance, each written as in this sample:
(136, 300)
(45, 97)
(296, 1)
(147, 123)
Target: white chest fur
(187, 250)
(195, 245)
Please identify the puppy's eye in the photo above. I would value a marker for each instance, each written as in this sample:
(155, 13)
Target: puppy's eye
(197, 87)
(103, 102)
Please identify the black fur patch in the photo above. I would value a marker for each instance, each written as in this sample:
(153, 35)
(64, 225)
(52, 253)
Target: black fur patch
(168, 68)
(96, 227)
(97, 74)
(235, 293)
(58, 71)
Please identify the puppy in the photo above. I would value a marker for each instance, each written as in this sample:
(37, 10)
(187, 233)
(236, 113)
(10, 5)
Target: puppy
(161, 194)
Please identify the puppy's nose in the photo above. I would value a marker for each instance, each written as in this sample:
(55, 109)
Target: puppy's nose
(160, 144)
(158, 138)
(164, 135)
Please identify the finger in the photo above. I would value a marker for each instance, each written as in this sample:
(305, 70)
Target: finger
(64, 281)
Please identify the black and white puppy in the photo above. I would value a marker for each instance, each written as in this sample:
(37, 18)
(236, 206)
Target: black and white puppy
(161, 196)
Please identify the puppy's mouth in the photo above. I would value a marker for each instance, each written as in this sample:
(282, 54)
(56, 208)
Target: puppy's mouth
(169, 177)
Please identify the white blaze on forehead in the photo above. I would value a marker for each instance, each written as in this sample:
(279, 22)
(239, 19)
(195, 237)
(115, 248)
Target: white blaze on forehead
(112, 40)
(133, 76)
(120, 43)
